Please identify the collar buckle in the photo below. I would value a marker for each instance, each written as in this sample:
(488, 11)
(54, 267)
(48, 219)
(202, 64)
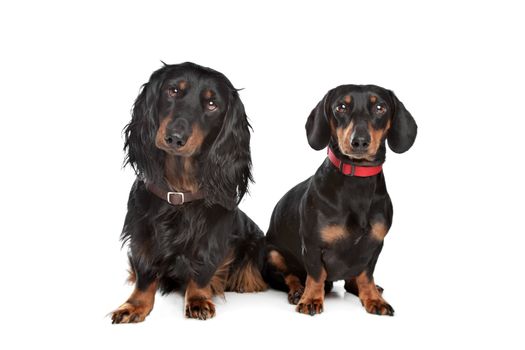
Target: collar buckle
(179, 201)
(342, 170)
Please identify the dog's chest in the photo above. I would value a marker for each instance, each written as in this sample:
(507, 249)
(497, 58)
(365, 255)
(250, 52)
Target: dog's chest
(351, 252)
(179, 232)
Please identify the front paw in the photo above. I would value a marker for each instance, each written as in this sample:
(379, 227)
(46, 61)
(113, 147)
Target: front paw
(200, 308)
(378, 307)
(129, 313)
(310, 306)
(294, 295)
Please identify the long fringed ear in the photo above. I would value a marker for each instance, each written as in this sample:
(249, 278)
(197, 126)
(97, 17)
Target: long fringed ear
(227, 168)
(403, 131)
(317, 128)
(145, 159)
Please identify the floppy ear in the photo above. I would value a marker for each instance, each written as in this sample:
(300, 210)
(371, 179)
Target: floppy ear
(227, 168)
(317, 128)
(403, 131)
(145, 159)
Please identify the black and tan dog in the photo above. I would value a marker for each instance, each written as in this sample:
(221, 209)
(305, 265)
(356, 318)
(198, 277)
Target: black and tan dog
(331, 226)
(189, 143)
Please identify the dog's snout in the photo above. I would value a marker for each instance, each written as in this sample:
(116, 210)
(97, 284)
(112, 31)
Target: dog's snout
(360, 138)
(177, 133)
(360, 142)
(175, 139)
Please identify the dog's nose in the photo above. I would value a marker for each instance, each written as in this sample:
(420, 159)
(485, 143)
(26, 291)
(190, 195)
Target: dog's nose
(175, 139)
(360, 143)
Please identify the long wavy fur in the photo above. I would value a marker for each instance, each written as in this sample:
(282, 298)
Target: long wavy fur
(225, 165)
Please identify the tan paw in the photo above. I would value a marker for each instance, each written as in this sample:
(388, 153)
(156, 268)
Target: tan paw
(200, 308)
(310, 306)
(294, 295)
(129, 313)
(378, 307)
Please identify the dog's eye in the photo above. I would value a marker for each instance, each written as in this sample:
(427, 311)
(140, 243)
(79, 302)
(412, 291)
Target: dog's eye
(379, 109)
(211, 106)
(173, 91)
(341, 108)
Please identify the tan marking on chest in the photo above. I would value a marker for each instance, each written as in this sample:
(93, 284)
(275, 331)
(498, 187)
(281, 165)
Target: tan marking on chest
(332, 233)
(180, 174)
(379, 231)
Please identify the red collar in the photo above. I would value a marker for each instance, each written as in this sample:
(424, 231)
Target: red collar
(353, 170)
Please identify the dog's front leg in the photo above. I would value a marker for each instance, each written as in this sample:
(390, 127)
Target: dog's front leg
(311, 302)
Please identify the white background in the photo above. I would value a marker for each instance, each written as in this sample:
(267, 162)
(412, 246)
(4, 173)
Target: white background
(452, 265)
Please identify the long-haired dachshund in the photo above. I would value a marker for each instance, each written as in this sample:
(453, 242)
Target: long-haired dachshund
(189, 144)
(331, 226)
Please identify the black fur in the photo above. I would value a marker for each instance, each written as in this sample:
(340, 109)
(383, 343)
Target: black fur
(317, 128)
(402, 134)
(226, 170)
(226, 164)
(330, 198)
(173, 244)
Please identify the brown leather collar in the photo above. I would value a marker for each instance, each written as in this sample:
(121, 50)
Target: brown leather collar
(174, 198)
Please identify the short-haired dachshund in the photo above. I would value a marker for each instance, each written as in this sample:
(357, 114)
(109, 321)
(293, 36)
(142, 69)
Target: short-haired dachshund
(331, 226)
